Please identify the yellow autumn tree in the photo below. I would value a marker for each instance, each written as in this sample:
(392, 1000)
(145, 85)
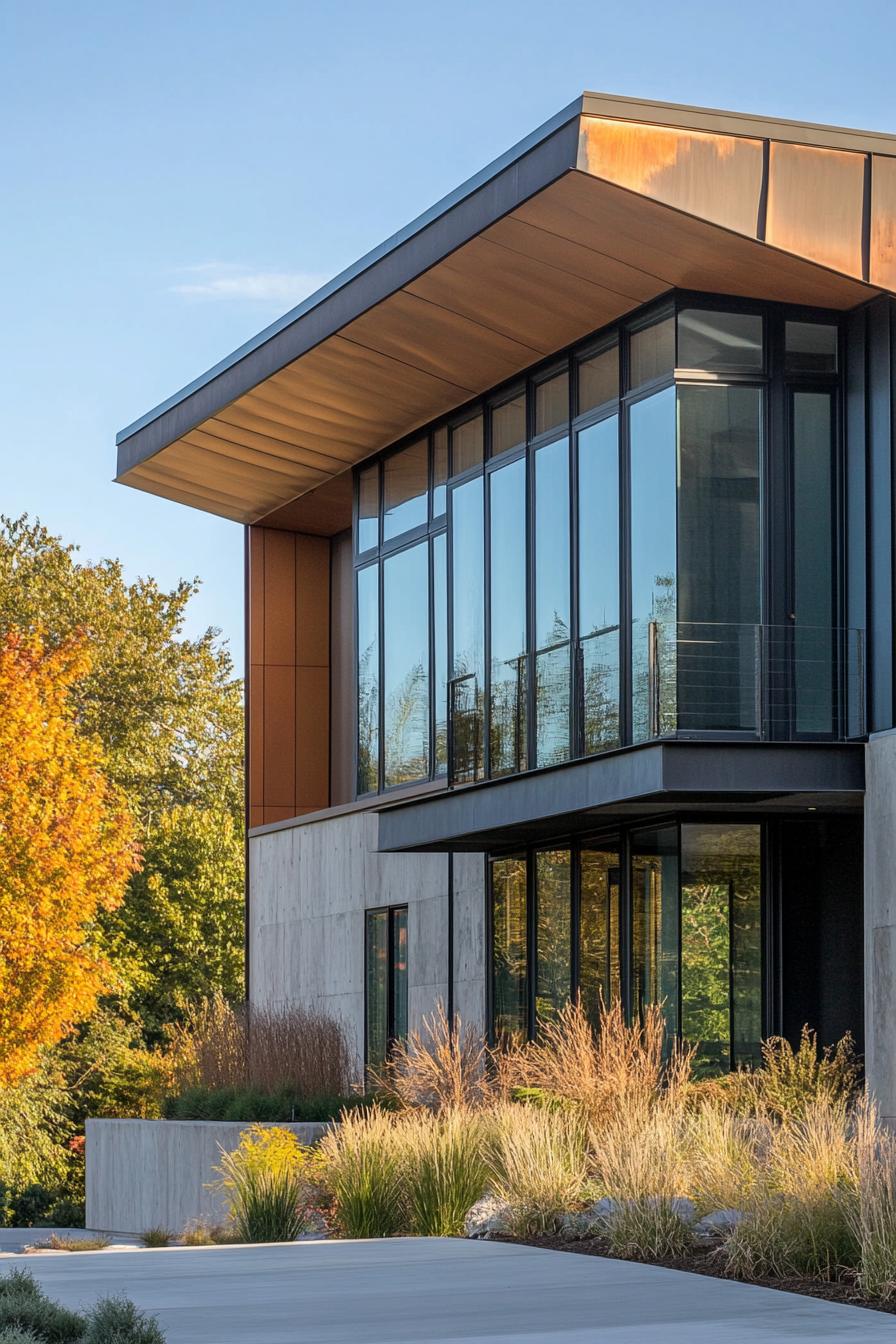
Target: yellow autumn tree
(67, 849)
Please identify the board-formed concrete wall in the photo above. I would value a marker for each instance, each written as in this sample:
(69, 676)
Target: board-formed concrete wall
(309, 886)
(156, 1173)
(880, 922)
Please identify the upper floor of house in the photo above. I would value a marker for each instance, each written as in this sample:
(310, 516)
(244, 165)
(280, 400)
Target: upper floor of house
(596, 453)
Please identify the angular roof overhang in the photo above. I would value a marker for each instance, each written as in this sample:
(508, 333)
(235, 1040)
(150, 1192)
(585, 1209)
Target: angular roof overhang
(610, 204)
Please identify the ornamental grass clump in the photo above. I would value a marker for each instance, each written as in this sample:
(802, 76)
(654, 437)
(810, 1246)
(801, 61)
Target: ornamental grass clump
(723, 1154)
(363, 1162)
(444, 1066)
(265, 1184)
(624, 1069)
(641, 1166)
(537, 1161)
(800, 1218)
(446, 1171)
(874, 1211)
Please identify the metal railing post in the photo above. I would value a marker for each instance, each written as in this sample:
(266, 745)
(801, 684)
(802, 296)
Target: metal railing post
(653, 681)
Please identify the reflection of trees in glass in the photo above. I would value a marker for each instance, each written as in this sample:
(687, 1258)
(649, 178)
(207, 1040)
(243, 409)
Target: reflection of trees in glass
(553, 899)
(368, 718)
(721, 951)
(406, 737)
(507, 724)
(663, 614)
(509, 947)
(599, 978)
(552, 695)
(600, 691)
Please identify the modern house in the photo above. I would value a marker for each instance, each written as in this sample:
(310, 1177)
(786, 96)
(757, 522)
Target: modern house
(569, 518)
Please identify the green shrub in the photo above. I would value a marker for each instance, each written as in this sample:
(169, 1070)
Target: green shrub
(18, 1283)
(790, 1080)
(265, 1183)
(115, 1320)
(16, 1336)
(253, 1105)
(28, 1309)
(363, 1170)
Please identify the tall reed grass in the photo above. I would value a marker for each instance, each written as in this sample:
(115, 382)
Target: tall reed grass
(874, 1210)
(220, 1045)
(537, 1160)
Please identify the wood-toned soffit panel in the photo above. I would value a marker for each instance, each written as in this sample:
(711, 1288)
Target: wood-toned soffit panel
(640, 209)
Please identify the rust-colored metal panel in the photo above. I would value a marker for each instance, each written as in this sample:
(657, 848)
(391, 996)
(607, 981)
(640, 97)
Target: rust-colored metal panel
(256, 595)
(816, 204)
(279, 736)
(716, 177)
(342, 671)
(255, 737)
(312, 737)
(883, 222)
(312, 601)
(279, 598)
(256, 817)
(272, 814)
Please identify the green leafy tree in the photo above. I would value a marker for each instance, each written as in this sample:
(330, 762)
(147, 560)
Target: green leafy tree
(169, 714)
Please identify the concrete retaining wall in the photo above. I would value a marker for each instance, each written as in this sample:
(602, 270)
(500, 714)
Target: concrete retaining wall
(880, 922)
(153, 1173)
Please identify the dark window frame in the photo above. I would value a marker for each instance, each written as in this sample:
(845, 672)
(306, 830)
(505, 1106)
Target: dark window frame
(774, 497)
(620, 837)
(390, 911)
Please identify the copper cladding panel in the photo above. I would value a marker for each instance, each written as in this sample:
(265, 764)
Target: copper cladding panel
(716, 177)
(883, 222)
(816, 204)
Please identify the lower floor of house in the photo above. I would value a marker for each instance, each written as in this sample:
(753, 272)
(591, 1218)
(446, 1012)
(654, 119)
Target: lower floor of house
(740, 923)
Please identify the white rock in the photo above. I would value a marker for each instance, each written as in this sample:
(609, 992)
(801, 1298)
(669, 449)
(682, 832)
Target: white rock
(488, 1217)
(601, 1210)
(718, 1223)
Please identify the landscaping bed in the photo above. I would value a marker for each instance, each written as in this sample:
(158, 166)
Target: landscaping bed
(704, 1260)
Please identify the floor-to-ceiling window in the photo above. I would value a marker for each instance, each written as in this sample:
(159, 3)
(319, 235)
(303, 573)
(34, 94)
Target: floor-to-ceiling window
(508, 752)
(635, 541)
(668, 915)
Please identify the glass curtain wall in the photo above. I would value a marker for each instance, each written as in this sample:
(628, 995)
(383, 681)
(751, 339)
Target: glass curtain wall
(600, 980)
(635, 609)
(507, 606)
(552, 604)
(653, 564)
(719, 597)
(598, 503)
(406, 665)
(467, 688)
(681, 928)
(510, 948)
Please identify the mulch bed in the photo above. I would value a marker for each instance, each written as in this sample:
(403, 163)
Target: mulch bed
(701, 1261)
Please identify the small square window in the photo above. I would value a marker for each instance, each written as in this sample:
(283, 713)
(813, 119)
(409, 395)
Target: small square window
(466, 445)
(810, 347)
(369, 508)
(651, 352)
(551, 403)
(508, 424)
(598, 379)
(714, 341)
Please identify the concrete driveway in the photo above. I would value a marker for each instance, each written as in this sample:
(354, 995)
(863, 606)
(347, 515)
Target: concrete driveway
(434, 1291)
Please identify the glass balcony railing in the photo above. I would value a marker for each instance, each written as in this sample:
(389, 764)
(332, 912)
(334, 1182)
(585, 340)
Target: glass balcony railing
(770, 683)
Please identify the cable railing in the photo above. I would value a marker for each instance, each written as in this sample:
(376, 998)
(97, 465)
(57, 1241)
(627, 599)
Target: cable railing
(689, 679)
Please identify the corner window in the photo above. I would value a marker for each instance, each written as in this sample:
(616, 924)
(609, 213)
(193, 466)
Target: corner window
(386, 982)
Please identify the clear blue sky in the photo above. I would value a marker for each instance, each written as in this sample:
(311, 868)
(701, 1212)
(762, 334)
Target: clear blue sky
(176, 175)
